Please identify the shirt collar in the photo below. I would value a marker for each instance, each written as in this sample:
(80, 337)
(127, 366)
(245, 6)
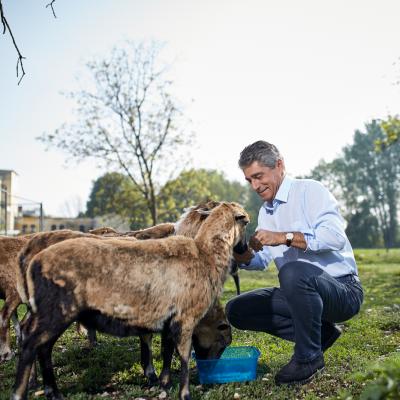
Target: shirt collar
(281, 196)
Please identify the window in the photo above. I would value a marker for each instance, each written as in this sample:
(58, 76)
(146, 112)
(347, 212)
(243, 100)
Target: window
(82, 228)
(33, 228)
(24, 228)
(62, 226)
(53, 227)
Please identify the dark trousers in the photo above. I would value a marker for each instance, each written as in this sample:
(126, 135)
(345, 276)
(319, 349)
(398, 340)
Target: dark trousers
(302, 310)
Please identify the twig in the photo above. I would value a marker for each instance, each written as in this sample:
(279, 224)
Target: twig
(52, 9)
(6, 27)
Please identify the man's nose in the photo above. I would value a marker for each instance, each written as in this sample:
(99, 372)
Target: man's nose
(255, 185)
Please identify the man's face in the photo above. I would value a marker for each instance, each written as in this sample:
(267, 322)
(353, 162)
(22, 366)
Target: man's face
(265, 181)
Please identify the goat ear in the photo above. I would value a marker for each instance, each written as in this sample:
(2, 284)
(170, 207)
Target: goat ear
(242, 218)
(223, 326)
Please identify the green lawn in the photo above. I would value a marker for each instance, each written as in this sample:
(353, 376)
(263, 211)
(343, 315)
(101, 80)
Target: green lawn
(112, 370)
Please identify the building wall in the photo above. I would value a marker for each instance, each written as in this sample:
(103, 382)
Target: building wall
(31, 224)
(8, 182)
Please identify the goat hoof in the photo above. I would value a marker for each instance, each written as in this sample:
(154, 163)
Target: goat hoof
(52, 394)
(166, 385)
(33, 384)
(153, 380)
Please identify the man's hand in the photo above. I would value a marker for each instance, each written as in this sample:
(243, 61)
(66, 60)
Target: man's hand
(266, 238)
(255, 244)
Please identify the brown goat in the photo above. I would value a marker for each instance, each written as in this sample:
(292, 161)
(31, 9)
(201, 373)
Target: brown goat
(9, 248)
(165, 285)
(213, 333)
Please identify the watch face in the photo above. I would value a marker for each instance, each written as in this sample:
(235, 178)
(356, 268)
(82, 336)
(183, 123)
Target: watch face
(289, 236)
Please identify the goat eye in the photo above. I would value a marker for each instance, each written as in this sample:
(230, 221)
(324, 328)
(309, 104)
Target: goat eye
(223, 327)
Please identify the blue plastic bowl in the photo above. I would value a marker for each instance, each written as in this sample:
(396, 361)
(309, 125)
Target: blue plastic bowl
(237, 364)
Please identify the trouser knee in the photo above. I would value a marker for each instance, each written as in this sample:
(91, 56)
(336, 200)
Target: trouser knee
(294, 277)
(232, 312)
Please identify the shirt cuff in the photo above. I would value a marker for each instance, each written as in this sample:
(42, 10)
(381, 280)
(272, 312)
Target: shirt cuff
(256, 264)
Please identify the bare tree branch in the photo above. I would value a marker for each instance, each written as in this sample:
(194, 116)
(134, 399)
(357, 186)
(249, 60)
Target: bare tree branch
(127, 119)
(6, 27)
(52, 9)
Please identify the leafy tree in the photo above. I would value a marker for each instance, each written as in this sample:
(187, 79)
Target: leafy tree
(127, 120)
(116, 199)
(363, 227)
(370, 185)
(391, 130)
(194, 186)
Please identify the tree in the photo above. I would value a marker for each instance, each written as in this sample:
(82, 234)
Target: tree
(6, 27)
(391, 132)
(115, 198)
(128, 120)
(194, 186)
(370, 183)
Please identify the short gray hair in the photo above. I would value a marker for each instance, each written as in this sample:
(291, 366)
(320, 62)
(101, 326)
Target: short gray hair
(263, 152)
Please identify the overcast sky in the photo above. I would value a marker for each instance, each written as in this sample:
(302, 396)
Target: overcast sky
(303, 75)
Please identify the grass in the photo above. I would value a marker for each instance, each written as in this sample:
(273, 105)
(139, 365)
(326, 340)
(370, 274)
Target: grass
(112, 370)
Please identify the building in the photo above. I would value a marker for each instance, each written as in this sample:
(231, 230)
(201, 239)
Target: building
(22, 218)
(30, 223)
(8, 206)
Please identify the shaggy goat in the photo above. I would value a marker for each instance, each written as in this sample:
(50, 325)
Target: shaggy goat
(66, 283)
(188, 225)
(9, 248)
(213, 333)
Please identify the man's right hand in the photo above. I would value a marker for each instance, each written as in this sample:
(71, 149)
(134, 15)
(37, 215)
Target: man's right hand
(255, 244)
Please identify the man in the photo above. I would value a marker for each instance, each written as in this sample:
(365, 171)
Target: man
(300, 228)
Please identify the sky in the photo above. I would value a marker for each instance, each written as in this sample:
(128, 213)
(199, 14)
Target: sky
(303, 75)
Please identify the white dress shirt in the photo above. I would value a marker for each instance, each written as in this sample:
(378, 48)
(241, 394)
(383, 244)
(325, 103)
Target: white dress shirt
(305, 205)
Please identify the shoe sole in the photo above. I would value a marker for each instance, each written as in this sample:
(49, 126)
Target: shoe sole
(304, 381)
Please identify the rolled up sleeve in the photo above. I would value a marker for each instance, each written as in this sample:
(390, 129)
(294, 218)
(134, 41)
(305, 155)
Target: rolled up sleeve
(327, 232)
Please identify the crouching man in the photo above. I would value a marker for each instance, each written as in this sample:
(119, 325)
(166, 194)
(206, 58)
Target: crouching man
(300, 228)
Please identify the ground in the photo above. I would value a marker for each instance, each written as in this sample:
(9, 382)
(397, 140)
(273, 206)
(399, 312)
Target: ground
(112, 370)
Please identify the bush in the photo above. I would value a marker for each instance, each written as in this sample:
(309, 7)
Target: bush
(385, 382)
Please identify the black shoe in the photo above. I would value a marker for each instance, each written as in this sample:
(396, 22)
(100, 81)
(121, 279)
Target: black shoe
(330, 333)
(299, 373)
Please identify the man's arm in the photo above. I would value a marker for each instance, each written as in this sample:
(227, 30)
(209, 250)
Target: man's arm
(268, 238)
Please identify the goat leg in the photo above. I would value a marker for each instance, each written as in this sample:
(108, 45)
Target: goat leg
(184, 345)
(146, 359)
(8, 310)
(90, 333)
(167, 351)
(49, 382)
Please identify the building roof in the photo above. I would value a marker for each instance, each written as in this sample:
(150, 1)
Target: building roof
(3, 171)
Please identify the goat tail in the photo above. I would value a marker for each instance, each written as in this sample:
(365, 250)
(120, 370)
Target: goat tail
(21, 282)
(30, 285)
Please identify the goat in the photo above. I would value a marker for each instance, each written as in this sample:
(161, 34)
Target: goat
(213, 333)
(188, 225)
(66, 283)
(9, 248)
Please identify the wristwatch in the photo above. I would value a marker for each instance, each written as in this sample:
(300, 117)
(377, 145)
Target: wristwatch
(289, 238)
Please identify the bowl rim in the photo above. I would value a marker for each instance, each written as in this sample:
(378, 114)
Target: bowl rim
(255, 349)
